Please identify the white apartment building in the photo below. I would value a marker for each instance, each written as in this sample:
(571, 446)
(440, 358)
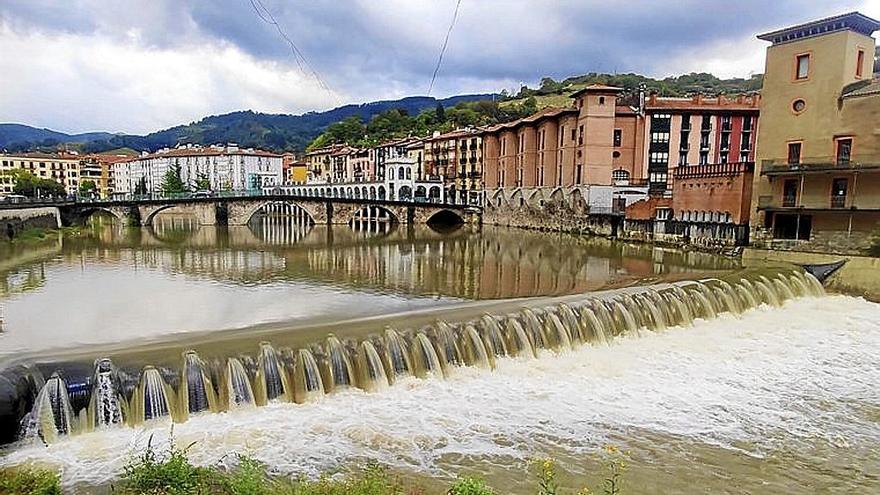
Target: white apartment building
(227, 168)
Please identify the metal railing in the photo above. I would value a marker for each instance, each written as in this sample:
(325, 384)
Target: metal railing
(820, 164)
(713, 170)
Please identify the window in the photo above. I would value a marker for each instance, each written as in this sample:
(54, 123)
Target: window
(601, 100)
(682, 159)
(794, 153)
(789, 193)
(838, 193)
(798, 106)
(802, 66)
(744, 156)
(573, 135)
(860, 62)
(620, 175)
(844, 151)
(561, 134)
(581, 135)
(618, 137)
(704, 158)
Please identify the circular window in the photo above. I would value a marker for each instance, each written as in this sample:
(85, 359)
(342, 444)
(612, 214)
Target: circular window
(616, 154)
(798, 105)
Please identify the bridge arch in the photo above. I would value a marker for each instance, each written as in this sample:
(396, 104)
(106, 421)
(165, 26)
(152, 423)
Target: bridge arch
(84, 215)
(204, 212)
(241, 212)
(445, 218)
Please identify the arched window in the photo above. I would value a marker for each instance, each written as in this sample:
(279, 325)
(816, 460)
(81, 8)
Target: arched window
(620, 175)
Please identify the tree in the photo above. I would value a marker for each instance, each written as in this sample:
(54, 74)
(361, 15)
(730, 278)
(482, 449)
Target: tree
(203, 183)
(172, 183)
(440, 112)
(88, 187)
(28, 184)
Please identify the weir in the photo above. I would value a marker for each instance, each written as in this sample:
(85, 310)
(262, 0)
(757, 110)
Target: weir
(114, 395)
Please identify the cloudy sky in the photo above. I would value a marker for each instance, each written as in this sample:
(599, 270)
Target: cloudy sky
(142, 65)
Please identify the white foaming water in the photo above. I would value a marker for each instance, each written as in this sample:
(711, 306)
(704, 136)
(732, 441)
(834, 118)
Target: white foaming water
(788, 377)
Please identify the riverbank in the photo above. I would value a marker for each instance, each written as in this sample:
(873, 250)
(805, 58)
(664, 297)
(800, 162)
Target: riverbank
(859, 277)
(172, 473)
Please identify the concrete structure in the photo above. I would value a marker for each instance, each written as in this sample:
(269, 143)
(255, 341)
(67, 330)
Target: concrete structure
(817, 186)
(227, 168)
(63, 168)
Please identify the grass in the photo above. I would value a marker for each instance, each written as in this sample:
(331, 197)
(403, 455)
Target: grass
(551, 100)
(29, 481)
(171, 473)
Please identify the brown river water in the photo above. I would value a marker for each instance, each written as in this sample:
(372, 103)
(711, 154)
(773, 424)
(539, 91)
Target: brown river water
(773, 400)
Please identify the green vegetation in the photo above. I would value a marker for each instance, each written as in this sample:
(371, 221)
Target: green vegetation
(29, 481)
(171, 182)
(203, 183)
(397, 123)
(28, 184)
(88, 186)
(171, 473)
(556, 93)
(470, 486)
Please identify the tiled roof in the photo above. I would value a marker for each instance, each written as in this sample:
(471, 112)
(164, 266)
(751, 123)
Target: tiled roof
(862, 88)
(203, 151)
(596, 88)
(535, 117)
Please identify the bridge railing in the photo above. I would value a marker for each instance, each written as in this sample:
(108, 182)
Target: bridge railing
(23, 202)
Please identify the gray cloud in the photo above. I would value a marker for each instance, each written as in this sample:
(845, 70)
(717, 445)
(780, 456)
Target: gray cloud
(367, 49)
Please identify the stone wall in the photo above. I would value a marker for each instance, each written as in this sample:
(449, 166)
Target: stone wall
(821, 241)
(551, 216)
(15, 221)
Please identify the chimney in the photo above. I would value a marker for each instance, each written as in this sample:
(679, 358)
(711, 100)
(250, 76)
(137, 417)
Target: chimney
(652, 99)
(642, 88)
(436, 134)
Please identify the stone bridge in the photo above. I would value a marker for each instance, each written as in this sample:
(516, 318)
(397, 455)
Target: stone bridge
(238, 210)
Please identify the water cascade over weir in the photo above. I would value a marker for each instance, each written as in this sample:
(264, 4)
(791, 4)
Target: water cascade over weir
(377, 361)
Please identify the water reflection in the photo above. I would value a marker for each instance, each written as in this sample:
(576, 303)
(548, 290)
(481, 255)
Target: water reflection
(486, 263)
(116, 282)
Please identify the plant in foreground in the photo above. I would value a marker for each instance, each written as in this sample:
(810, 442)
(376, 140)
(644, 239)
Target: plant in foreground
(29, 481)
(470, 486)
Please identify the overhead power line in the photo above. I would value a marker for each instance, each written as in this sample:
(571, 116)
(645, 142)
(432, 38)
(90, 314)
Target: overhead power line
(298, 56)
(443, 48)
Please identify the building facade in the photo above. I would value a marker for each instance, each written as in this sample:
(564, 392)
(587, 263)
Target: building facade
(226, 168)
(63, 168)
(817, 183)
(455, 158)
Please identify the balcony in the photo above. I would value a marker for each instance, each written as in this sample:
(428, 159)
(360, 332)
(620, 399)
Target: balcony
(828, 164)
(811, 204)
(713, 170)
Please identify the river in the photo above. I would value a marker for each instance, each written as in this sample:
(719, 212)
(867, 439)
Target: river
(775, 400)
